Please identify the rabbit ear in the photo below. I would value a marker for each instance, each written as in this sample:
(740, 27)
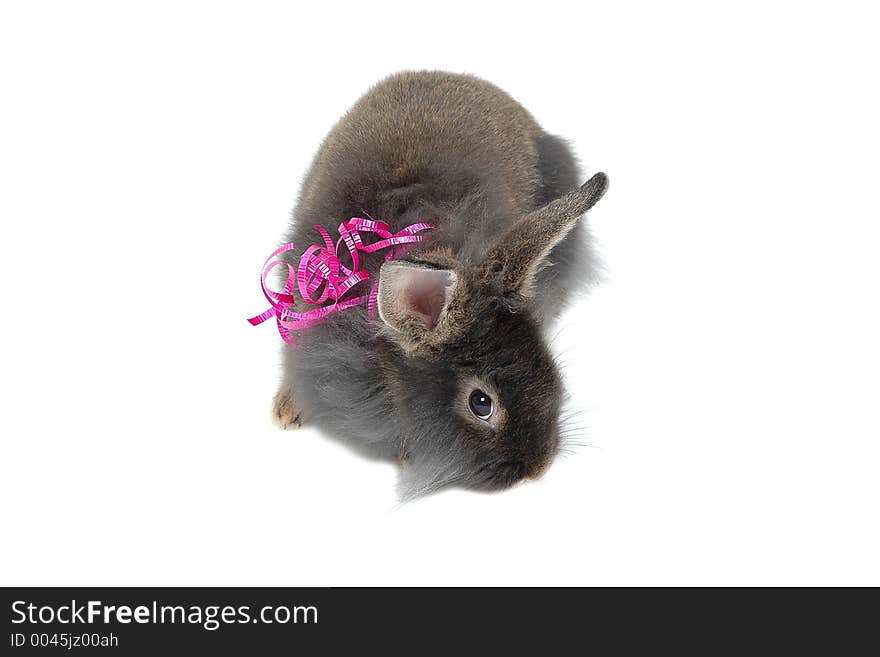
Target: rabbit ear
(519, 252)
(412, 298)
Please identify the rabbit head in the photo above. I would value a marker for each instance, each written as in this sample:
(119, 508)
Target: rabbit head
(473, 379)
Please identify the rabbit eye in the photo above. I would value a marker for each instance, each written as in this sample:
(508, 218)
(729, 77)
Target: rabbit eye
(480, 404)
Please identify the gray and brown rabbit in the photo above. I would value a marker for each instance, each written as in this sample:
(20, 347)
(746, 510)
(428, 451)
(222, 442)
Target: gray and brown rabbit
(454, 378)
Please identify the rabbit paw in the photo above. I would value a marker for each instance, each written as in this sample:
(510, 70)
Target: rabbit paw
(285, 411)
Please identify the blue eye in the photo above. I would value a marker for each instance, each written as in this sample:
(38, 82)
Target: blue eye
(480, 404)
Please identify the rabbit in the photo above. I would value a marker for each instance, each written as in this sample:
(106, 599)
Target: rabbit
(454, 379)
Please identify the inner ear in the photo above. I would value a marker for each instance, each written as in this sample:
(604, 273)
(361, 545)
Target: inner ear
(426, 294)
(413, 296)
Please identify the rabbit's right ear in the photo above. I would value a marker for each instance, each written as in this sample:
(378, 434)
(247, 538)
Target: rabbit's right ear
(413, 300)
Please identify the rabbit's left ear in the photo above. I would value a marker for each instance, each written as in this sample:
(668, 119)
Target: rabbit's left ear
(413, 298)
(519, 253)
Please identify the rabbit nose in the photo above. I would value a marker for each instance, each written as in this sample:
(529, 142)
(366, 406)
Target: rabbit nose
(537, 470)
(538, 466)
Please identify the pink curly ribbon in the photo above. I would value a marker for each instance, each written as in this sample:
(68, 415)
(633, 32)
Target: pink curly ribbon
(321, 277)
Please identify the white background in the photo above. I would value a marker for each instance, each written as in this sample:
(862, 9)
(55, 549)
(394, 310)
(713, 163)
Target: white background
(727, 370)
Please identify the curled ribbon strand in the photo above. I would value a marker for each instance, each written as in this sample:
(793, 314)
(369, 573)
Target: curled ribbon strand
(321, 277)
